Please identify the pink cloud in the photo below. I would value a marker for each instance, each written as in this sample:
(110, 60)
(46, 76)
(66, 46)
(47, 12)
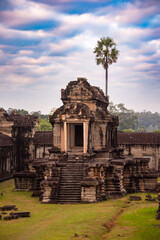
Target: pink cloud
(129, 13)
(26, 12)
(133, 14)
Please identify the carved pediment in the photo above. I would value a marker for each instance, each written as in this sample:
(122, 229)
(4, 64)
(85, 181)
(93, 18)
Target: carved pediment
(72, 111)
(81, 90)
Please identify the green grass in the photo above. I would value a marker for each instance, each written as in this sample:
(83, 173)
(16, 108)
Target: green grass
(137, 222)
(89, 221)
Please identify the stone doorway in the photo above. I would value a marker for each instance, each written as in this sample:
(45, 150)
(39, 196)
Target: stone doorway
(79, 135)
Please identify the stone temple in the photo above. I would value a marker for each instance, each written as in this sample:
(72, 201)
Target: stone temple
(84, 163)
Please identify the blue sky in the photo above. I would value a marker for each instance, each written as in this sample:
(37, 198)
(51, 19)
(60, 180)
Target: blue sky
(44, 44)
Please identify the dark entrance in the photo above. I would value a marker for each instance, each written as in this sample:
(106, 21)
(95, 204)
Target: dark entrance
(79, 135)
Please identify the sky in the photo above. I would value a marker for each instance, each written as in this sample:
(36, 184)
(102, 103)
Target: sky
(44, 44)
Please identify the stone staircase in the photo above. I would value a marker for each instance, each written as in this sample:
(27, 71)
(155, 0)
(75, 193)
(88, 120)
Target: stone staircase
(70, 183)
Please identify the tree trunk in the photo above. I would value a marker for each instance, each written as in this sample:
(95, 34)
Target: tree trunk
(106, 77)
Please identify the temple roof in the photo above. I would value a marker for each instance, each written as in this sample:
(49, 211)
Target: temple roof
(5, 141)
(138, 138)
(24, 120)
(80, 111)
(43, 137)
(81, 90)
(81, 102)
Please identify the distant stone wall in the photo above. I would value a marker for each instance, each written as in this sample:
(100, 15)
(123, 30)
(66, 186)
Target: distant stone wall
(43, 141)
(142, 145)
(146, 152)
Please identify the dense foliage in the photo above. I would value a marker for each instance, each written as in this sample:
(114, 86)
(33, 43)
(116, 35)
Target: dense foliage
(129, 120)
(44, 124)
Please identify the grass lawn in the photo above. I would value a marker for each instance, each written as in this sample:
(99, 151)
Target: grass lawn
(112, 219)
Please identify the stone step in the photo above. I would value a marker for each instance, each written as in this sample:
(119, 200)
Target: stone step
(70, 183)
(70, 190)
(70, 187)
(67, 194)
(77, 190)
(72, 171)
(71, 180)
(69, 201)
(70, 193)
(67, 197)
(73, 166)
(71, 176)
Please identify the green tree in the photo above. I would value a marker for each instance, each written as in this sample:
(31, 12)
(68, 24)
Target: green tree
(37, 113)
(128, 119)
(44, 125)
(149, 120)
(106, 54)
(18, 111)
(22, 112)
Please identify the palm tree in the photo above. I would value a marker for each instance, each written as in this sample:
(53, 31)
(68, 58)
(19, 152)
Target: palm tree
(106, 54)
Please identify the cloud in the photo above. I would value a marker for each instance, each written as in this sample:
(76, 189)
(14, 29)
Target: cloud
(15, 80)
(130, 13)
(65, 51)
(25, 12)
(25, 52)
(27, 60)
(10, 33)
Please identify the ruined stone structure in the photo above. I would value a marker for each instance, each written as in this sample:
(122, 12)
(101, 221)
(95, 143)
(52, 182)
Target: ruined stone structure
(16, 141)
(85, 163)
(43, 141)
(142, 145)
(7, 156)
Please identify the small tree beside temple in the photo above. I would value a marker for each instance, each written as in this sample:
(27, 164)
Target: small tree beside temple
(106, 54)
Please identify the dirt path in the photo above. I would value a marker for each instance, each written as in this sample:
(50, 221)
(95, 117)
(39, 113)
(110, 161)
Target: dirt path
(113, 222)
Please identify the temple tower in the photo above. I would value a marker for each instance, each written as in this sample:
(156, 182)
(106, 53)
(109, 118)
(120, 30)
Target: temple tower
(83, 124)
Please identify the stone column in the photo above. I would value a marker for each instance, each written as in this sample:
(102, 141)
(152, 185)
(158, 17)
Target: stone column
(65, 136)
(85, 137)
